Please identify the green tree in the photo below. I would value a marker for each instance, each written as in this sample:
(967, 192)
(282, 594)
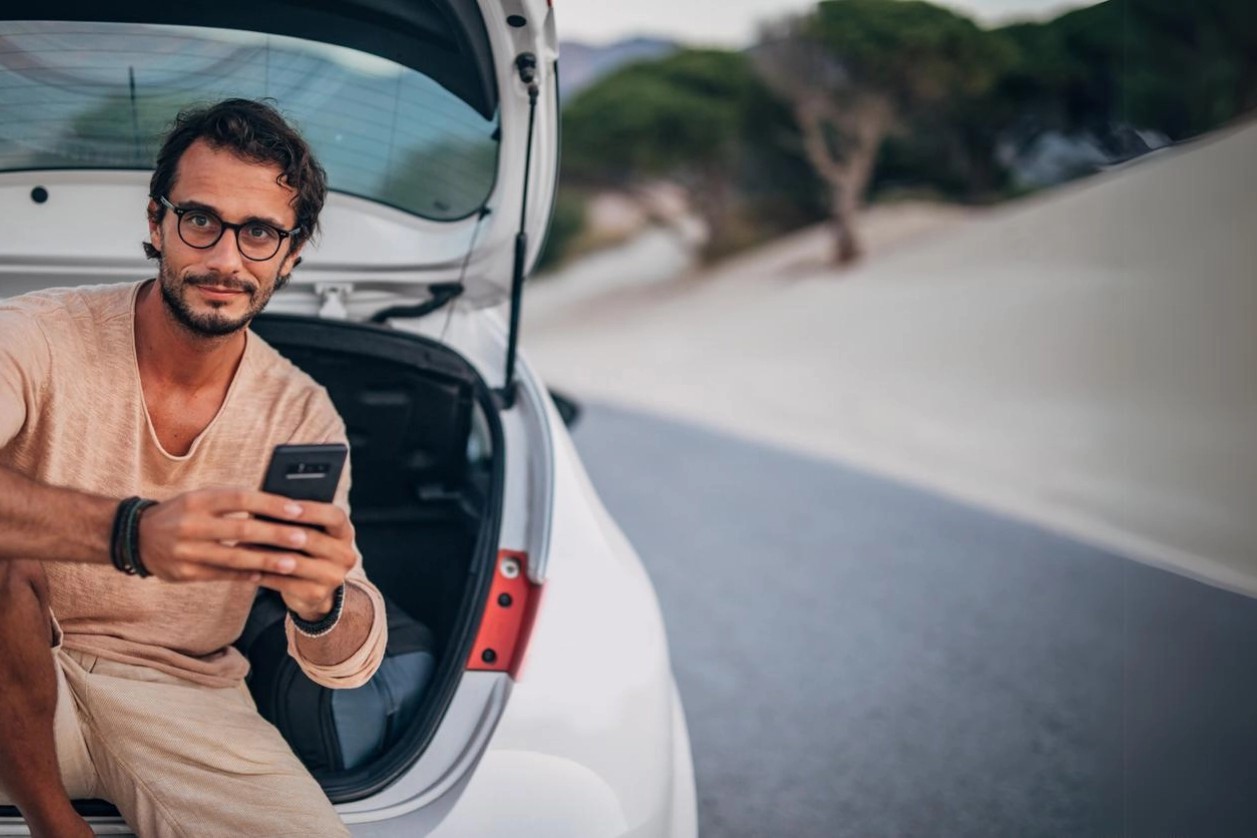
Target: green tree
(1181, 68)
(701, 118)
(856, 71)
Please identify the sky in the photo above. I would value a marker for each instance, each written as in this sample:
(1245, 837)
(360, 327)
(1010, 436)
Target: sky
(732, 23)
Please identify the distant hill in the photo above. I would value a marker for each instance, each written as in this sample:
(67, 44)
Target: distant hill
(580, 65)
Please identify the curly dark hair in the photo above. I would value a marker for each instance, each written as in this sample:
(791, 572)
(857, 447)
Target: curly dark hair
(255, 131)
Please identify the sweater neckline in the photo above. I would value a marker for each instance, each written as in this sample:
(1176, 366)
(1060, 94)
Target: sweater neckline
(138, 384)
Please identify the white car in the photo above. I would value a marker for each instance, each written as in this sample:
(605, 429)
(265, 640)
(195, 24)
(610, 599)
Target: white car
(552, 709)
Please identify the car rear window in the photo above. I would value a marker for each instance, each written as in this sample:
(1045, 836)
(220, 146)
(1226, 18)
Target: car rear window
(101, 95)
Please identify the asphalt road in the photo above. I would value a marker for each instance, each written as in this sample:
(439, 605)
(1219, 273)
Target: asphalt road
(861, 658)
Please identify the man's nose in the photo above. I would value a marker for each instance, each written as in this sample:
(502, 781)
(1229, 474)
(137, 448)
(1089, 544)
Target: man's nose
(224, 257)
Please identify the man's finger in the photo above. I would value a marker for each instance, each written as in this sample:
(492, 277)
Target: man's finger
(333, 550)
(224, 501)
(305, 569)
(238, 558)
(246, 531)
(329, 516)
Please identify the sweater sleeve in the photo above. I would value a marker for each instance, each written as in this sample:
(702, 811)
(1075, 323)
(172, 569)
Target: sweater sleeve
(323, 424)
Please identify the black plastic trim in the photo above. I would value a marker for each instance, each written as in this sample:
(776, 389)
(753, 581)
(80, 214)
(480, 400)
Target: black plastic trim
(526, 66)
(442, 293)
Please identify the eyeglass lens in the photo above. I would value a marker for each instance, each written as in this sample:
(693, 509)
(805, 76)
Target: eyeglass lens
(256, 240)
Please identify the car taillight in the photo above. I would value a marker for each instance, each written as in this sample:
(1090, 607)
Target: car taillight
(508, 617)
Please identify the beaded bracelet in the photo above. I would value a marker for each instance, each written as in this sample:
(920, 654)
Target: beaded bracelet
(320, 627)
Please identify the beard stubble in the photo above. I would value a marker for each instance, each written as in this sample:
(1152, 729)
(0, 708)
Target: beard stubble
(212, 324)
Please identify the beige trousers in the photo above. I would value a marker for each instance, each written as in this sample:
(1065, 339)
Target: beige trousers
(178, 758)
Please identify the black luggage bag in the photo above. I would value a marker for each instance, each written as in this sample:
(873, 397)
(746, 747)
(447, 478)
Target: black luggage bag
(336, 730)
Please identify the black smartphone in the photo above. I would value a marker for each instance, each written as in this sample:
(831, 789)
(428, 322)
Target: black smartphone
(304, 472)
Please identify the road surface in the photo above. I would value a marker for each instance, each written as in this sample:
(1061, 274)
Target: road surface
(862, 658)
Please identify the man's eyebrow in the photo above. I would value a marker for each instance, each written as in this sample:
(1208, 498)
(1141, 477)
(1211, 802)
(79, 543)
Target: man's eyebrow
(201, 205)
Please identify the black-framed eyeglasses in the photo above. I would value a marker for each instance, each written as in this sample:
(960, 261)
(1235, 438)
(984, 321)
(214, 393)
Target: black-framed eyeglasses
(257, 241)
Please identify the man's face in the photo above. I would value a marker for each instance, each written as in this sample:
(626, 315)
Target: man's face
(216, 291)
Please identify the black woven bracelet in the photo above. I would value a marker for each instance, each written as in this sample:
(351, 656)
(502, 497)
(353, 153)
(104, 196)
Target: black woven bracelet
(133, 538)
(323, 626)
(124, 535)
(124, 543)
(118, 536)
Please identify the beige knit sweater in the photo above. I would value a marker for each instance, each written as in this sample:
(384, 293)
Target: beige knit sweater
(72, 414)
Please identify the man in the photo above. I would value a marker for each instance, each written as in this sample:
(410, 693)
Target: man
(159, 390)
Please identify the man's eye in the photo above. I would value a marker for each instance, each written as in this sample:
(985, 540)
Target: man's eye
(199, 220)
(259, 232)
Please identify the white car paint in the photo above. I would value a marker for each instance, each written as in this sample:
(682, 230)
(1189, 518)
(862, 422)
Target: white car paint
(592, 739)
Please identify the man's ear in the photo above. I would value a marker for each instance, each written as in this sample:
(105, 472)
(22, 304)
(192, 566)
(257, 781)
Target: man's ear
(154, 226)
(292, 260)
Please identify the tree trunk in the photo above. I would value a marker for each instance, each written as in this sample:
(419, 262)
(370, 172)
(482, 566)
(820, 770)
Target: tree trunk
(712, 195)
(843, 211)
(872, 127)
(848, 172)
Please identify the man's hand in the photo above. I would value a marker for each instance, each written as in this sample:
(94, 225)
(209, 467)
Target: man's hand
(309, 587)
(201, 536)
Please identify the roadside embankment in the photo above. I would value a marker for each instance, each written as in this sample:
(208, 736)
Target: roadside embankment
(1085, 359)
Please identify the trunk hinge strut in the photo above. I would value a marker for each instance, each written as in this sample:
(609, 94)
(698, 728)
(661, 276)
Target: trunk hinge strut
(526, 65)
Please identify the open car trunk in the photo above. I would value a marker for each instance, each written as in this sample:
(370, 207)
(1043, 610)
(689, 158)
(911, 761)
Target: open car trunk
(437, 123)
(427, 468)
(425, 447)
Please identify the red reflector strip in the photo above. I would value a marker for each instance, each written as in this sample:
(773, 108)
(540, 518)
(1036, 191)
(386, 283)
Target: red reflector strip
(508, 617)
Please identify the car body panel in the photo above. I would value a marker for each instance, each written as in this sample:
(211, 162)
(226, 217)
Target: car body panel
(589, 741)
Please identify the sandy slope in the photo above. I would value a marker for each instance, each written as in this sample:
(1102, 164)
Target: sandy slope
(1086, 359)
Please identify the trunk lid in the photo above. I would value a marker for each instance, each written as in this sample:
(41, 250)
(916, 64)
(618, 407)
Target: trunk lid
(417, 109)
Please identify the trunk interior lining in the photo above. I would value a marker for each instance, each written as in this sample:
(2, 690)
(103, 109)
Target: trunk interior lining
(426, 501)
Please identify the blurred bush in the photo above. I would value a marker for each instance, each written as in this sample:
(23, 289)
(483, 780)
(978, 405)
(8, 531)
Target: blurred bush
(877, 97)
(1181, 68)
(704, 120)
